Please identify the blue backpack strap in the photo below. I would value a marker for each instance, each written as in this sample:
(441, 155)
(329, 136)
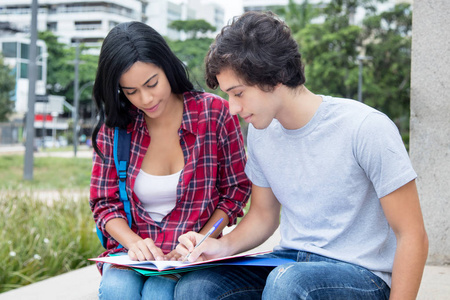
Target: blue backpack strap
(121, 150)
(122, 143)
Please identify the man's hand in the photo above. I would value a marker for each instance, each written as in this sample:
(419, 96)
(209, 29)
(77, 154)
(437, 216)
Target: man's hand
(210, 248)
(173, 256)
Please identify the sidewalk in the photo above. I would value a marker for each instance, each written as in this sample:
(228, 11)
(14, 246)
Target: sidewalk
(83, 284)
(82, 151)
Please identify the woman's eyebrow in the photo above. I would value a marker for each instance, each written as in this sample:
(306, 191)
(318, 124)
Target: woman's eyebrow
(145, 83)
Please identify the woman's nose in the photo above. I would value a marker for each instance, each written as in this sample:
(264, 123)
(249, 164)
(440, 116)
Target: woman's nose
(146, 97)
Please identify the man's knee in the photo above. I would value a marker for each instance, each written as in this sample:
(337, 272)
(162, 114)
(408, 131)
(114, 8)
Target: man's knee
(195, 284)
(281, 282)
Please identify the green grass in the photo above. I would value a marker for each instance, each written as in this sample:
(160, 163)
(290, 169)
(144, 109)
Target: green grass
(41, 240)
(54, 173)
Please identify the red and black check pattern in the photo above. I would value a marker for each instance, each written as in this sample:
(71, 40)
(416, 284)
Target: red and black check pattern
(213, 176)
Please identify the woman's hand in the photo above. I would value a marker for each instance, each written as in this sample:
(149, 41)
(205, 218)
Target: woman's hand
(145, 249)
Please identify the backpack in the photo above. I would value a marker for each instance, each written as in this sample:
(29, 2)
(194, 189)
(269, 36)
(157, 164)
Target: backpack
(122, 142)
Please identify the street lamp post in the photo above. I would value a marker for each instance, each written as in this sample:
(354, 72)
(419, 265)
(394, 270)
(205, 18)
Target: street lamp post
(44, 113)
(75, 108)
(360, 75)
(76, 100)
(32, 76)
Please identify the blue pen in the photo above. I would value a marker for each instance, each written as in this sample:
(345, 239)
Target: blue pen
(206, 235)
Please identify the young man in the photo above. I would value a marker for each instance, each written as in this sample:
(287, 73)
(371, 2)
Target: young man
(350, 218)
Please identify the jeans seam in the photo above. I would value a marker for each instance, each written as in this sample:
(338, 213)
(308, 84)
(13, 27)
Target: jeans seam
(364, 273)
(366, 291)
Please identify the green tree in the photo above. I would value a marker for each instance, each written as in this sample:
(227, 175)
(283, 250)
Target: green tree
(193, 50)
(192, 27)
(329, 50)
(7, 84)
(297, 15)
(60, 68)
(388, 84)
(330, 47)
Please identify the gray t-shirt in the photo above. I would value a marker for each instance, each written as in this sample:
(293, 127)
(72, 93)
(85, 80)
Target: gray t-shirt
(329, 176)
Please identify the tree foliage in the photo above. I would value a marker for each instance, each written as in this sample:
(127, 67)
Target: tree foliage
(329, 41)
(330, 44)
(297, 15)
(7, 85)
(192, 27)
(388, 80)
(193, 50)
(60, 68)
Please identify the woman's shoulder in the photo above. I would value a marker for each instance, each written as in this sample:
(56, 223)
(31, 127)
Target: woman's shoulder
(205, 101)
(106, 130)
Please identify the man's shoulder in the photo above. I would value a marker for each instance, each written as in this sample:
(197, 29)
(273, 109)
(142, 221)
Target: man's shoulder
(349, 106)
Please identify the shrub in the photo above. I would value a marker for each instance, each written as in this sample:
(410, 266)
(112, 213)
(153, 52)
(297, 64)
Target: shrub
(41, 240)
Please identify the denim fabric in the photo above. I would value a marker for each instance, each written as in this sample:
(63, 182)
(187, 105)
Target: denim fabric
(309, 276)
(126, 284)
(226, 282)
(317, 277)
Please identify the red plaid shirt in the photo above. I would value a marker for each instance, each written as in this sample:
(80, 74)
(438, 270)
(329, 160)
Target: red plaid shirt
(213, 176)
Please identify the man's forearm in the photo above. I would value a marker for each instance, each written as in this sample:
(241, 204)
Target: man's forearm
(254, 229)
(409, 263)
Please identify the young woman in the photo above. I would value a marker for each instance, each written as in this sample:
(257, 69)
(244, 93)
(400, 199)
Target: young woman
(350, 220)
(187, 158)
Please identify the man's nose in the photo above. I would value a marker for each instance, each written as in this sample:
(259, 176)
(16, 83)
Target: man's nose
(235, 106)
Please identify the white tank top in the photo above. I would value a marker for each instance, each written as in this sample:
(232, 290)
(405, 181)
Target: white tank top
(158, 194)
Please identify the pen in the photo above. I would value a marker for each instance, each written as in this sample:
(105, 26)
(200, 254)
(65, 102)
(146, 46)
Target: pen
(206, 235)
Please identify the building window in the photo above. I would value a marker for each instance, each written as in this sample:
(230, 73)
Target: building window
(24, 51)
(23, 70)
(52, 26)
(113, 24)
(88, 25)
(9, 49)
(39, 72)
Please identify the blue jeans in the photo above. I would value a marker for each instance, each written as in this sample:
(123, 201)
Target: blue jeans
(126, 284)
(309, 276)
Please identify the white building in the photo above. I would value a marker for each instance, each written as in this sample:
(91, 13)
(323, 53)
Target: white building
(160, 13)
(211, 12)
(88, 21)
(261, 5)
(15, 50)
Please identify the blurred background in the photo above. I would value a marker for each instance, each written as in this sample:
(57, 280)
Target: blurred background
(358, 49)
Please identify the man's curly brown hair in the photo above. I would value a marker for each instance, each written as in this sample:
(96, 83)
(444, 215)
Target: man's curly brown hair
(260, 49)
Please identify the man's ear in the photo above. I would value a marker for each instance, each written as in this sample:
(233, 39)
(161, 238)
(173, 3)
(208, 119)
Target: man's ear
(277, 86)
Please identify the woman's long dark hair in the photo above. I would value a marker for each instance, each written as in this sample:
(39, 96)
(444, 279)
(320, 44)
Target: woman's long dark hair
(124, 45)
